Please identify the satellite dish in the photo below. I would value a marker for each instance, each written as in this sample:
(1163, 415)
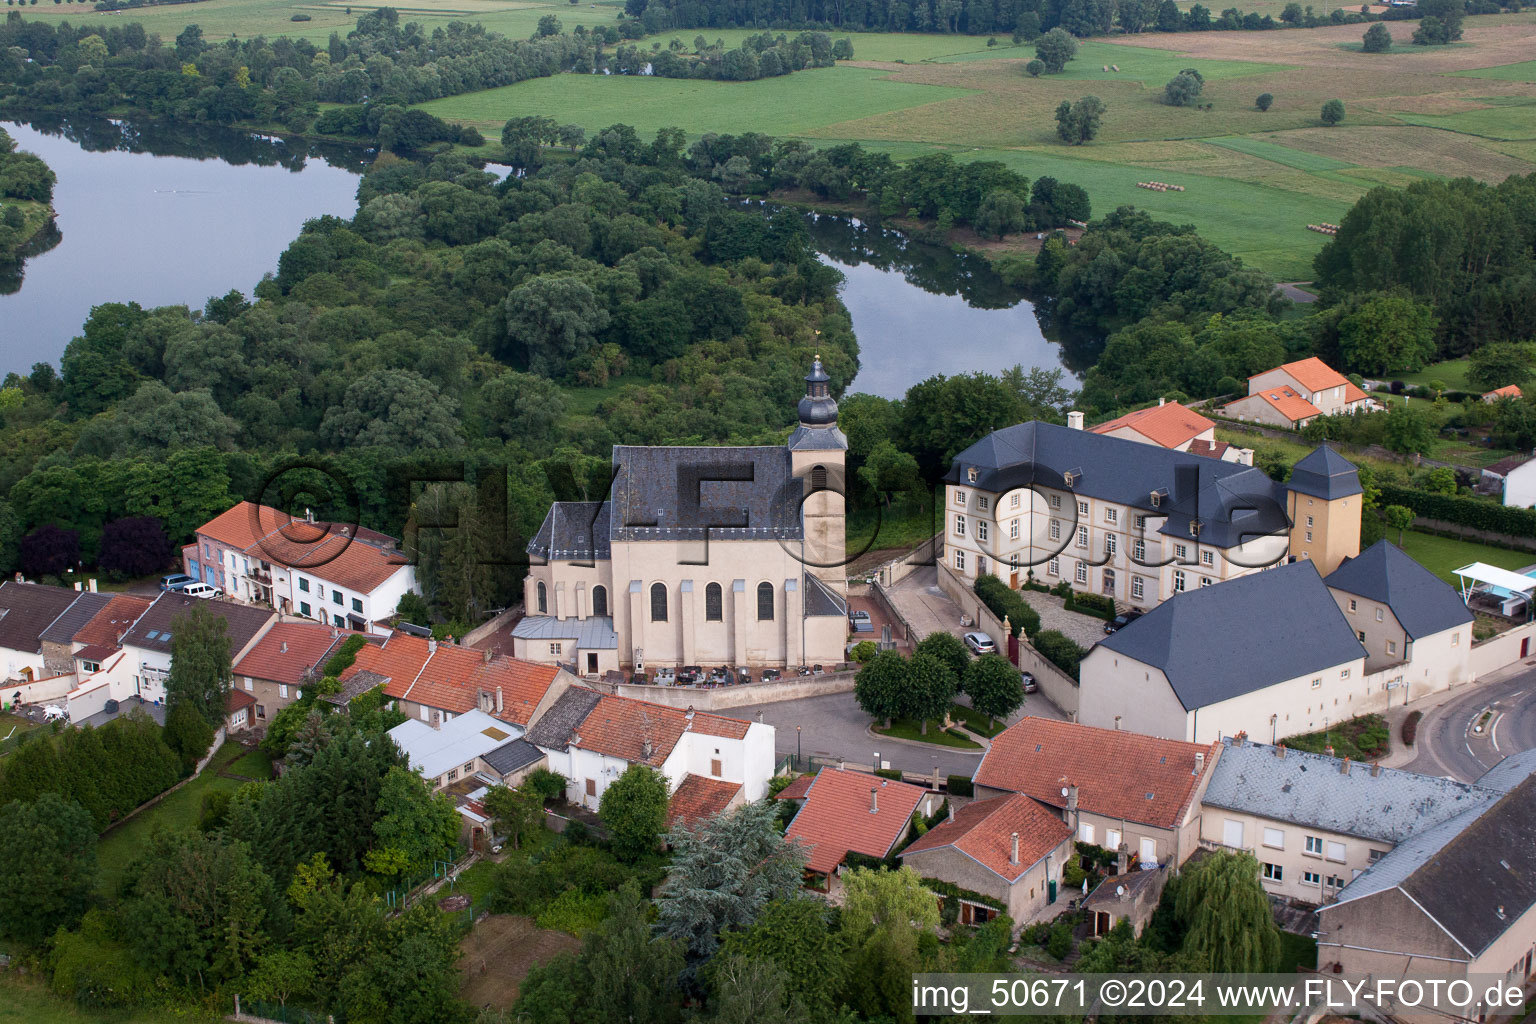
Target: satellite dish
(1063, 790)
(1119, 890)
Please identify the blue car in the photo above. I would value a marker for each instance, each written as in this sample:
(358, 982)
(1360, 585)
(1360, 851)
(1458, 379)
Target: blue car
(176, 581)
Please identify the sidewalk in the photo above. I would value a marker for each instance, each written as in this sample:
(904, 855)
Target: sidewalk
(1401, 755)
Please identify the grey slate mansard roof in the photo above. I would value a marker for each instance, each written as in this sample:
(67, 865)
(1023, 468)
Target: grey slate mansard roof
(62, 630)
(694, 493)
(595, 632)
(1325, 474)
(1310, 789)
(1423, 603)
(554, 728)
(509, 757)
(1473, 875)
(1218, 642)
(27, 610)
(1510, 772)
(1234, 503)
(573, 531)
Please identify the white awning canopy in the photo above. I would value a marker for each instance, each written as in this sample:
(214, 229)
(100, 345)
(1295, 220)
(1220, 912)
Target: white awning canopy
(1482, 572)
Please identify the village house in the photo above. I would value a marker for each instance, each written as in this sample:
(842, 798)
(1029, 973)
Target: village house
(852, 812)
(1009, 848)
(1379, 629)
(591, 739)
(1113, 789)
(1134, 522)
(1512, 479)
(1507, 391)
(704, 556)
(1453, 900)
(1173, 426)
(39, 669)
(1316, 823)
(347, 577)
(464, 748)
(1292, 395)
(287, 658)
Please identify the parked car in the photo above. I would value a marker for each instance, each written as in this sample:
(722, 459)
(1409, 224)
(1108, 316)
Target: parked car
(176, 581)
(201, 590)
(1027, 680)
(1121, 621)
(980, 643)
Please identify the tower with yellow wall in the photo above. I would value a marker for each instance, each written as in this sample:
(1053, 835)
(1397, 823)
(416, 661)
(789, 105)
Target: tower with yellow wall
(1323, 500)
(818, 462)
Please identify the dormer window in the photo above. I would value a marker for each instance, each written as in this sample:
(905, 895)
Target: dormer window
(972, 473)
(1158, 496)
(1194, 527)
(1072, 476)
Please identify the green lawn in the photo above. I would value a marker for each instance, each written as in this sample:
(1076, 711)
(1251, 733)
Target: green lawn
(1452, 372)
(906, 525)
(1525, 71)
(907, 729)
(119, 847)
(25, 1001)
(975, 721)
(476, 883)
(1443, 555)
(253, 765)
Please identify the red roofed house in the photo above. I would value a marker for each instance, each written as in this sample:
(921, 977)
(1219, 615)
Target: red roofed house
(435, 682)
(1169, 425)
(592, 739)
(697, 799)
(343, 576)
(1009, 847)
(288, 657)
(1108, 785)
(238, 708)
(853, 812)
(1293, 394)
(1507, 391)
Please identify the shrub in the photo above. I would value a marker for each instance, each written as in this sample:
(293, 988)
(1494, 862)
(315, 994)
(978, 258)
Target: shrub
(1072, 874)
(300, 17)
(1092, 604)
(960, 785)
(1004, 602)
(1060, 942)
(1478, 513)
(1411, 727)
(863, 651)
(1377, 39)
(1265, 101)
(345, 655)
(1333, 112)
(1060, 650)
(1035, 68)
(889, 773)
(575, 912)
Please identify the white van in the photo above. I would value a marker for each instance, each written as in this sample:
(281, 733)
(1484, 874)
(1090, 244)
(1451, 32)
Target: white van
(202, 590)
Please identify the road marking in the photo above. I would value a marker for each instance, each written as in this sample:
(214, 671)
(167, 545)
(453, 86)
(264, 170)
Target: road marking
(1493, 731)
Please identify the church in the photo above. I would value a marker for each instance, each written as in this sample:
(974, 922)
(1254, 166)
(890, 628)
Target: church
(708, 556)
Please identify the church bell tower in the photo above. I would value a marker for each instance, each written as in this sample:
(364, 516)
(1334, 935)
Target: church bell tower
(818, 456)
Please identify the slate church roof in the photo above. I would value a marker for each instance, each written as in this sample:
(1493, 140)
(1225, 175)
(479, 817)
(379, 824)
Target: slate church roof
(697, 492)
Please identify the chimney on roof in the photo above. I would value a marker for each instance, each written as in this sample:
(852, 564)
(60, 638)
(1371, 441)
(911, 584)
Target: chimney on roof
(489, 654)
(283, 647)
(1013, 854)
(431, 646)
(1375, 770)
(1075, 420)
(1328, 750)
(839, 764)
(874, 803)
(499, 704)
(646, 750)
(77, 586)
(951, 812)
(1199, 763)
(1344, 767)
(91, 585)
(1160, 402)
(1122, 858)
(1280, 751)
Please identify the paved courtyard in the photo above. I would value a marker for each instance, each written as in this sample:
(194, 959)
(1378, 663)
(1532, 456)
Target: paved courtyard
(926, 608)
(1085, 630)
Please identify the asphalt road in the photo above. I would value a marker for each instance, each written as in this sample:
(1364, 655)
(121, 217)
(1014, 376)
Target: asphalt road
(1471, 733)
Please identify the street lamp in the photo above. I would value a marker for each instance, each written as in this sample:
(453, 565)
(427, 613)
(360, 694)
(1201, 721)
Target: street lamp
(798, 761)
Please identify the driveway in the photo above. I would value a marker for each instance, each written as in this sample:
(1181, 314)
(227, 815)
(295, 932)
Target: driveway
(1449, 742)
(1084, 630)
(926, 608)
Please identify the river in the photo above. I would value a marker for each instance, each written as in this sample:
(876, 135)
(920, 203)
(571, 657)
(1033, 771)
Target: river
(160, 215)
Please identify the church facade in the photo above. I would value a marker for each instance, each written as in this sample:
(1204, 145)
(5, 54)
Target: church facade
(708, 556)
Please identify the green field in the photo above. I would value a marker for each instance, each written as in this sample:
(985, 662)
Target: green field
(1443, 555)
(119, 847)
(26, 1001)
(1452, 373)
(1525, 71)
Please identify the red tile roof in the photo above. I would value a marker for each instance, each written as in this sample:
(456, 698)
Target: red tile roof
(398, 659)
(1169, 425)
(107, 626)
(1118, 774)
(288, 651)
(698, 798)
(354, 558)
(836, 818)
(1288, 403)
(238, 699)
(96, 652)
(1210, 449)
(1354, 394)
(1314, 374)
(1507, 391)
(620, 726)
(453, 678)
(796, 790)
(984, 831)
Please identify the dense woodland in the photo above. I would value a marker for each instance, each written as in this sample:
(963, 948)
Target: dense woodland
(26, 190)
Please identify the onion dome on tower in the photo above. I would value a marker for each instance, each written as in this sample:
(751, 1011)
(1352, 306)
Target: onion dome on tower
(818, 414)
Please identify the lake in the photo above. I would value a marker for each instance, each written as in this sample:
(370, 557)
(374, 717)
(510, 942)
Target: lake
(164, 215)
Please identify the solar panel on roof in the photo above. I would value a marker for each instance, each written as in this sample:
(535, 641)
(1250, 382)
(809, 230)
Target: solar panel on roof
(152, 634)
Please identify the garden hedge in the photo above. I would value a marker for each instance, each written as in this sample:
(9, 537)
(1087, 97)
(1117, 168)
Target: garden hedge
(1411, 727)
(1005, 602)
(1478, 513)
(960, 785)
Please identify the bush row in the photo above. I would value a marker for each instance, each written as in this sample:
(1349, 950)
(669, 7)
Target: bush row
(1478, 513)
(1004, 602)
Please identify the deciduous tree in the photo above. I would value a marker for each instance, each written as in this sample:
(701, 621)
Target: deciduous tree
(200, 664)
(634, 810)
(880, 685)
(47, 867)
(1227, 916)
(993, 684)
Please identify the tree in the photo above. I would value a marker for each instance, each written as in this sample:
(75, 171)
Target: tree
(1078, 122)
(1035, 68)
(1388, 333)
(1291, 15)
(1001, 213)
(1226, 914)
(550, 321)
(1408, 431)
(1333, 112)
(187, 734)
(49, 550)
(633, 976)
(1399, 518)
(413, 608)
(200, 664)
(889, 471)
(515, 813)
(521, 407)
(549, 25)
(133, 546)
(47, 867)
(884, 914)
(1377, 39)
(798, 936)
(880, 685)
(281, 974)
(1502, 363)
(1265, 101)
(393, 408)
(994, 686)
(1183, 90)
(725, 870)
(949, 649)
(746, 989)
(1054, 49)
(414, 826)
(634, 810)
(1439, 22)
